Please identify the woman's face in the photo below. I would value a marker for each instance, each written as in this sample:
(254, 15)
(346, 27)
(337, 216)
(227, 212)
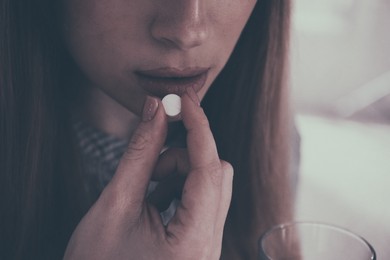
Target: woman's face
(133, 48)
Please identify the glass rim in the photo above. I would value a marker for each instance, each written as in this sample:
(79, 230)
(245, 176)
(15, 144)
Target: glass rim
(318, 224)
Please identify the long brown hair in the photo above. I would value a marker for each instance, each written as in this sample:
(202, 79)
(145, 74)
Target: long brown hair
(40, 193)
(251, 125)
(38, 181)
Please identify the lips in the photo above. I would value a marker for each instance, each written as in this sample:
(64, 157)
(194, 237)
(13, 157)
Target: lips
(164, 81)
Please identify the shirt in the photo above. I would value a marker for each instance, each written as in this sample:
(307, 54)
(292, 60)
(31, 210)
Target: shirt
(100, 156)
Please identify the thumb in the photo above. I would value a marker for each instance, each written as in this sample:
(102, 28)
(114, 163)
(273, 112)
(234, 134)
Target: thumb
(135, 168)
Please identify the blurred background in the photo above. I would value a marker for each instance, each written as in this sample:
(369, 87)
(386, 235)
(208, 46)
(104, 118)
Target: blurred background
(340, 72)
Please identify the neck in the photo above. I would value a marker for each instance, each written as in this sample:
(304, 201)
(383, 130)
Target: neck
(106, 114)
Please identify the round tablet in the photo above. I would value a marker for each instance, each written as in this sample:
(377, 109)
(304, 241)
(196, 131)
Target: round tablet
(172, 105)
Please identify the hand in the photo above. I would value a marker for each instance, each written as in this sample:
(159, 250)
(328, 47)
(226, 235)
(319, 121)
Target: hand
(122, 224)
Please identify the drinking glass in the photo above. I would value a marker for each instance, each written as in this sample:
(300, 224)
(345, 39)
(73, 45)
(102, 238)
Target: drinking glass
(313, 241)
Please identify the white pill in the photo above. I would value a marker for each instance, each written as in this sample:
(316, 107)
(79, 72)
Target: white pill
(172, 105)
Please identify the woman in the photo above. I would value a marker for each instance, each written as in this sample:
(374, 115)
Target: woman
(108, 64)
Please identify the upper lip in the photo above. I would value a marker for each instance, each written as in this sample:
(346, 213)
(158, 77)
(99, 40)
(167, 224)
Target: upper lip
(171, 72)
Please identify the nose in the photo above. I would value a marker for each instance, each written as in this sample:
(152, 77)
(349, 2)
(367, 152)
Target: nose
(180, 24)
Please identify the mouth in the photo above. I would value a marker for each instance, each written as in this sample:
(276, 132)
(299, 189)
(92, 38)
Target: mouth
(163, 81)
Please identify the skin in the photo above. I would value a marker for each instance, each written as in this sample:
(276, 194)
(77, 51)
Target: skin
(109, 40)
(122, 224)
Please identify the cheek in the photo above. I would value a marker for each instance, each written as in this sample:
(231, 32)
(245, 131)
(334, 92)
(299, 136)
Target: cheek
(235, 16)
(98, 33)
(103, 34)
(84, 27)
(228, 29)
(95, 34)
(230, 18)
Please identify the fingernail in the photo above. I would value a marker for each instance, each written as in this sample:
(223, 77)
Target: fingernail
(150, 109)
(194, 97)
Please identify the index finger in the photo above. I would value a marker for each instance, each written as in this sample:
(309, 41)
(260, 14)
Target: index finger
(202, 194)
(202, 150)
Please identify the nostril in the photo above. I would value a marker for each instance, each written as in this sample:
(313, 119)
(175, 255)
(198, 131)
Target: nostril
(182, 32)
(184, 40)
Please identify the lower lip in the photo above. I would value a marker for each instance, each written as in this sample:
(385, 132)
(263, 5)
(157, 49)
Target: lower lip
(162, 86)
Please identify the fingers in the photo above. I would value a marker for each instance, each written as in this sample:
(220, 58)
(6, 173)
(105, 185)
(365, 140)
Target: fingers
(171, 171)
(201, 146)
(172, 162)
(207, 190)
(223, 209)
(226, 195)
(133, 174)
(165, 192)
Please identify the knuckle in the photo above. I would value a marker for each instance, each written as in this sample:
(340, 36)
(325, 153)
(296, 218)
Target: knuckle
(216, 176)
(214, 173)
(204, 122)
(227, 167)
(138, 143)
